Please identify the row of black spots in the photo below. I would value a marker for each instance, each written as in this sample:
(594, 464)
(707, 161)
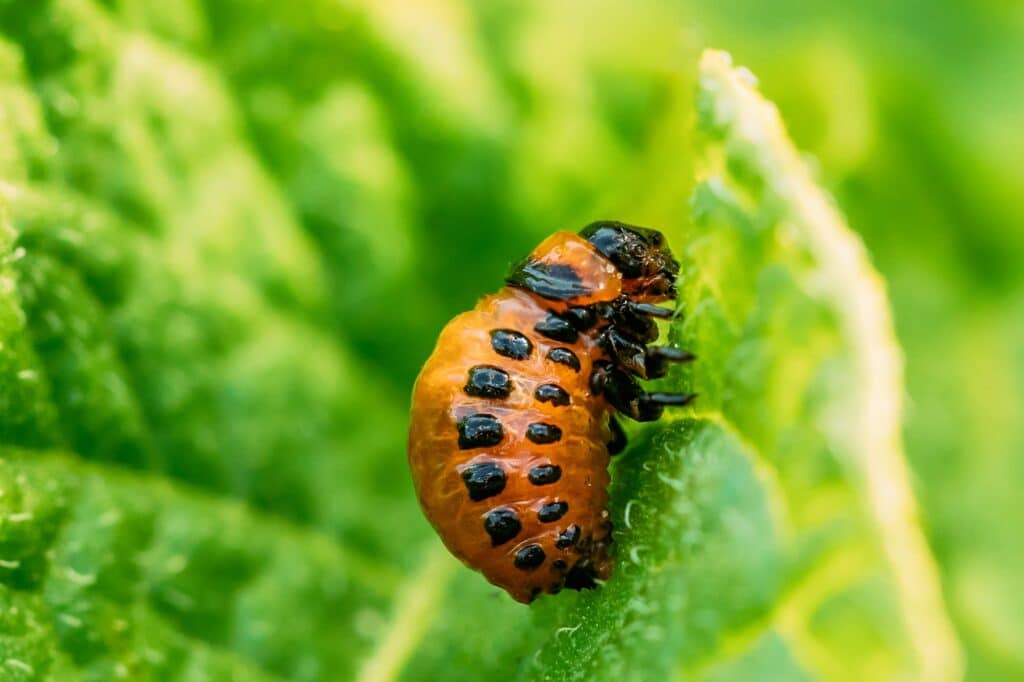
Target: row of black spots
(502, 523)
(515, 345)
(487, 479)
(488, 381)
(530, 557)
(484, 430)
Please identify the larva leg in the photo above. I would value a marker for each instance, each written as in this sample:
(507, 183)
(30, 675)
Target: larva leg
(650, 310)
(632, 320)
(618, 440)
(668, 399)
(658, 358)
(625, 341)
(627, 354)
(626, 395)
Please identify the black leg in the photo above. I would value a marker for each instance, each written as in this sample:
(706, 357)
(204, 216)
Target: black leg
(651, 310)
(658, 358)
(618, 440)
(650, 406)
(599, 376)
(669, 399)
(625, 353)
(623, 392)
(630, 328)
(632, 320)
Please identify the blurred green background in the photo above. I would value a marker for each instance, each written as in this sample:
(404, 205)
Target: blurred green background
(247, 221)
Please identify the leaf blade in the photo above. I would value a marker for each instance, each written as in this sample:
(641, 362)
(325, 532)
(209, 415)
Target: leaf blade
(859, 293)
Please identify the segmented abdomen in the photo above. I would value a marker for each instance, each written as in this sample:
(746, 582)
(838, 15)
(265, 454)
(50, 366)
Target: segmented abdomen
(508, 448)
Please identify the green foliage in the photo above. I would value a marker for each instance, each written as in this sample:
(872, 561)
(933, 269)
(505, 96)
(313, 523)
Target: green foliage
(231, 230)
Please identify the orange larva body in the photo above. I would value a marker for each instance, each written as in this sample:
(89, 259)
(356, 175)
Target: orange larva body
(508, 444)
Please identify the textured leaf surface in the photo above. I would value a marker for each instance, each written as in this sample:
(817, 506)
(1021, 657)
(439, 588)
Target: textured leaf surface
(231, 231)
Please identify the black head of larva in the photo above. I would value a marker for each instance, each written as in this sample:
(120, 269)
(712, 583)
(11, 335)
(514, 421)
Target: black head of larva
(640, 254)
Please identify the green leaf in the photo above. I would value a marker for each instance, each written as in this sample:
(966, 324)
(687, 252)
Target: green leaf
(814, 385)
(114, 575)
(230, 232)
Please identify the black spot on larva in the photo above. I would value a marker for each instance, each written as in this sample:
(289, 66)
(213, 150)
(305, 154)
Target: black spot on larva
(559, 564)
(541, 433)
(569, 537)
(552, 511)
(545, 474)
(552, 393)
(502, 524)
(556, 327)
(556, 281)
(511, 344)
(479, 431)
(564, 356)
(529, 557)
(485, 381)
(581, 317)
(483, 480)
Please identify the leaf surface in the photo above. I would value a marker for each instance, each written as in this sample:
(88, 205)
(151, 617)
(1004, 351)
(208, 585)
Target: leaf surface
(218, 276)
